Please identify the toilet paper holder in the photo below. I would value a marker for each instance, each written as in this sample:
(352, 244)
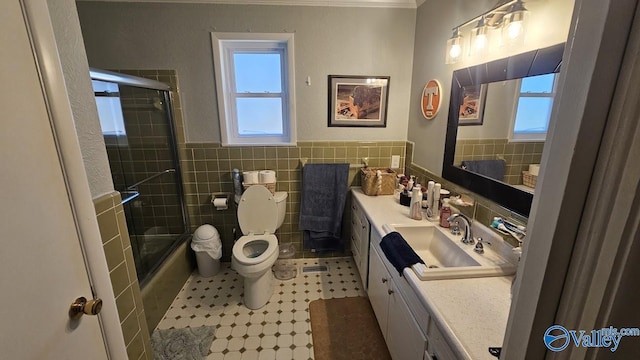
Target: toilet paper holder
(217, 197)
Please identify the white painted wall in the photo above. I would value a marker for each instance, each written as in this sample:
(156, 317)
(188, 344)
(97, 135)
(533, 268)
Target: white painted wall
(68, 35)
(549, 22)
(328, 41)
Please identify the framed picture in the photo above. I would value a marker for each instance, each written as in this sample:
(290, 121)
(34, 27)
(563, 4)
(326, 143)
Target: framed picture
(358, 101)
(472, 108)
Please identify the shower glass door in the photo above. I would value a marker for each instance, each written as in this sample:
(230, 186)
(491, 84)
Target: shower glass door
(138, 133)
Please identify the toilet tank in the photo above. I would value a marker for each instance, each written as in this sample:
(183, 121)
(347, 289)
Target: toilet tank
(281, 202)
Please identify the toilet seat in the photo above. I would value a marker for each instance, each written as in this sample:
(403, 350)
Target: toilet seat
(258, 211)
(238, 248)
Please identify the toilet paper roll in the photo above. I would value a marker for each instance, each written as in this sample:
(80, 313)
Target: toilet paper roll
(267, 176)
(220, 203)
(250, 177)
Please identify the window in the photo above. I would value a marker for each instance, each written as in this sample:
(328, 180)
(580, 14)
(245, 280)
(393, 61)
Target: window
(109, 108)
(254, 80)
(533, 108)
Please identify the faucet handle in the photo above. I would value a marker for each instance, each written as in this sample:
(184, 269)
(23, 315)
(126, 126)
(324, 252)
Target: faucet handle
(455, 228)
(479, 247)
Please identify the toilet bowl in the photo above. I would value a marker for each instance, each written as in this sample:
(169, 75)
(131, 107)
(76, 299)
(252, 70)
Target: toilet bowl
(260, 213)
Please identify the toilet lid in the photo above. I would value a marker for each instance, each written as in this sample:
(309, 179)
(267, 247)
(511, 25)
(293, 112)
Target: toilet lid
(257, 211)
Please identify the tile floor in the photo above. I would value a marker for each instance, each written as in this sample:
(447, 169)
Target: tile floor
(279, 330)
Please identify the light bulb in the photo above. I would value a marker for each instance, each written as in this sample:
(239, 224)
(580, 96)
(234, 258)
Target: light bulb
(455, 51)
(481, 41)
(514, 30)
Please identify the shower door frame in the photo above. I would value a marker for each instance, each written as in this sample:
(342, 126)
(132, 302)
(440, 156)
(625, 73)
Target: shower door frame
(134, 81)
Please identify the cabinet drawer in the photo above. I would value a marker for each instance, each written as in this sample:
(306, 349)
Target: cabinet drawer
(437, 345)
(355, 250)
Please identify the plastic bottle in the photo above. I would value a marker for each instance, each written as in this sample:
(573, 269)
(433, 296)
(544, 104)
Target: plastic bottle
(410, 184)
(237, 185)
(415, 211)
(445, 213)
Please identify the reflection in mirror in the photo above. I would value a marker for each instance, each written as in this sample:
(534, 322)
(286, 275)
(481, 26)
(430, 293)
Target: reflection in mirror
(511, 135)
(498, 118)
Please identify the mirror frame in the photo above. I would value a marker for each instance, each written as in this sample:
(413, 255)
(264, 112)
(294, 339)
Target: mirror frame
(536, 62)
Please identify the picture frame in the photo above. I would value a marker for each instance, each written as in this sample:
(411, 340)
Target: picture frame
(471, 111)
(358, 101)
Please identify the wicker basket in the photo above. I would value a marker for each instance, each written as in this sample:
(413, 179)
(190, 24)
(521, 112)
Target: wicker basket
(529, 179)
(270, 186)
(370, 184)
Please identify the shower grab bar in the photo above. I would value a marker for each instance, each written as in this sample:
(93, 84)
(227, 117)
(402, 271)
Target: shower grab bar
(133, 187)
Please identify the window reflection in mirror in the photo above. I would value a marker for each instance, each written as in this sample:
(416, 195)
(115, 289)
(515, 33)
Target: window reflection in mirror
(512, 132)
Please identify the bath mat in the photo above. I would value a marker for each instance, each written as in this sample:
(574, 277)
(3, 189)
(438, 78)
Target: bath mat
(346, 328)
(182, 344)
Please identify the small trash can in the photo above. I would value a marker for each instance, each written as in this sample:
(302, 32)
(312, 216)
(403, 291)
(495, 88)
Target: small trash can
(208, 248)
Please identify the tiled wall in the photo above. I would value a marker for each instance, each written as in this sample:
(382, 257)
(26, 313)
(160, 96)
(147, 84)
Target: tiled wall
(517, 155)
(208, 168)
(483, 210)
(119, 255)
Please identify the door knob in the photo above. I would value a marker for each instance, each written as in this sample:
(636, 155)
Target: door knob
(83, 306)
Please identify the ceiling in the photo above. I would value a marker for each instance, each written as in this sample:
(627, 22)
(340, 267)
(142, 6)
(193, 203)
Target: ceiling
(411, 4)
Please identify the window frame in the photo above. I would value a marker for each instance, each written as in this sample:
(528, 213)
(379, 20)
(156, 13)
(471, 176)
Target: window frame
(224, 45)
(530, 137)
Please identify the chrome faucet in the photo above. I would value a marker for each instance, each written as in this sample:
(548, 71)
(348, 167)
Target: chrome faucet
(467, 238)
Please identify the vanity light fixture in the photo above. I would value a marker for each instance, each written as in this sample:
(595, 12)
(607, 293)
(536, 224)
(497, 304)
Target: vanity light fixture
(507, 16)
(479, 41)
(454, 47)
(514, 23)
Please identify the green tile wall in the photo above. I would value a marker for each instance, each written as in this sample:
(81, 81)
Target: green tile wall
(207, 169)
(118, 252)
(518, 155)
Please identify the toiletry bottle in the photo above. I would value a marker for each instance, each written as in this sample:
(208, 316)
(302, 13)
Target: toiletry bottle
(410, 184)
(435, 203)
(237, 185)
(415, 211)
(445, 213)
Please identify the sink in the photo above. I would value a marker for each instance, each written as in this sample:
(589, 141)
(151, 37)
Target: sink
(446, 257)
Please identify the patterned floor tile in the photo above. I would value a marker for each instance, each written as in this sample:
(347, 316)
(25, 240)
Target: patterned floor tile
(279, 330)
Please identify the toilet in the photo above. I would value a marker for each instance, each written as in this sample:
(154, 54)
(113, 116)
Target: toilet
(260, 214)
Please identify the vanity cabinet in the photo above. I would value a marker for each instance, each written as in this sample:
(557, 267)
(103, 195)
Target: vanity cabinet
(401, 331)
(360, 229)
(407, 327)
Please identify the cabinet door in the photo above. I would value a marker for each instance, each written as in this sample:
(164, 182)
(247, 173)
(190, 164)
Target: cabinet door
(404, 338)
(378, 290)
(438, 346)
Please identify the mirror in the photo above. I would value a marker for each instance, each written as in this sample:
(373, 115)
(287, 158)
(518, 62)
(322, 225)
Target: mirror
(484, 151)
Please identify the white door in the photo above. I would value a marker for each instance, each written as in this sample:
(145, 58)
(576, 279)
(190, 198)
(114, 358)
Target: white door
(42, 269)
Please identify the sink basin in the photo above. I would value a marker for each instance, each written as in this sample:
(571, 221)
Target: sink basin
(446, 257)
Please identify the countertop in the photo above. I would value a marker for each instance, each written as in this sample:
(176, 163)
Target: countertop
(471, 313)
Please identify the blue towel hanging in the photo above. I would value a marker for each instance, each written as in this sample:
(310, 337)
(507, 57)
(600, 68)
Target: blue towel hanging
(398, 252)
(324, 193)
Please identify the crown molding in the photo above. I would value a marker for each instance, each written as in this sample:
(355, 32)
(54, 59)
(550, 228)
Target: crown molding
(407, 4)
